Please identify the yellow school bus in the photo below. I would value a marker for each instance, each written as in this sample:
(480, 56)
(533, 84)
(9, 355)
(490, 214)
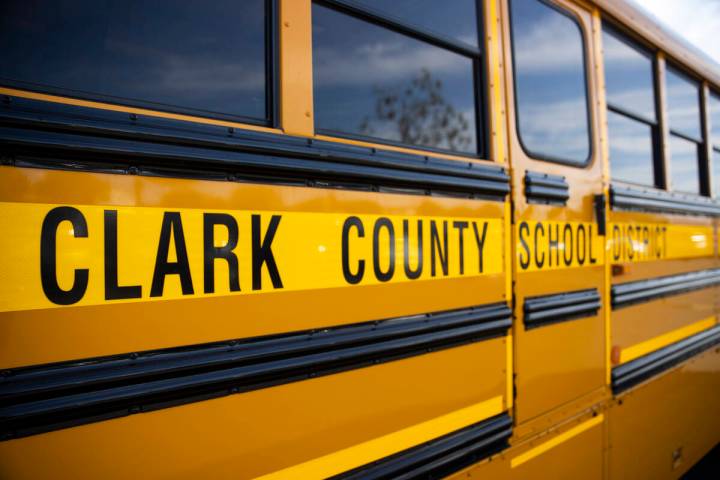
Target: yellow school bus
(300, 239)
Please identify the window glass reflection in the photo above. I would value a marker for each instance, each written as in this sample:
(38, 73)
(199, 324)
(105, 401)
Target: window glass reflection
(631, 150)
(684, 165)
(714, 101)
(628, 77)
(455, 18)
(683, 104)
(550, 82)
(208, 56)
(716, 171)
(372, 82)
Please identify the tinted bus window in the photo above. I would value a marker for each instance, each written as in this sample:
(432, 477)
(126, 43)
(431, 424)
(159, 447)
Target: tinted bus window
(550, 84)
(180, 54)
(371, 82)
(683, 105)
(629, 77)
(632, 118)
(684, 168)
(457, 19)
(714, 115)
(631, 149)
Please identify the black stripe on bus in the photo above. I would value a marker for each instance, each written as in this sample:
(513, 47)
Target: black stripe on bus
(546, 189)
(440, 457)
(48, 135)
(632, 373)
(548, 309)
(43, 398)
(654, 200)
(630, 293)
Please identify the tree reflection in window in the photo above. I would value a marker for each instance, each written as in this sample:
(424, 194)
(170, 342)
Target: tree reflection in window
(419, 114)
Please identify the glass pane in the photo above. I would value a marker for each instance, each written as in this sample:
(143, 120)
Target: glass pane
(684, 169)
(550, 82)
(628, 77)
(631, 150)
(683, 104)
(715, 119)
(716, 171)
(456, 18)
(372, 82)
(208, 56)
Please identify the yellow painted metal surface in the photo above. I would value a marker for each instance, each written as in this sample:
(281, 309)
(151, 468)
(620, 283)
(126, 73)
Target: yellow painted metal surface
(643, 348)
(256, 433)
(548, 455)
(661, 428)
(337, 257)
(165, 253)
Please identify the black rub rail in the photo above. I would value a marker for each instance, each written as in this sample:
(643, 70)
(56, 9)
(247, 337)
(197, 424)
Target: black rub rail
(632, 373)
(43, 398)
(48, 135)
(653, 200)
(548, 309)
(441, 457)
(546, 188)
(630, 293)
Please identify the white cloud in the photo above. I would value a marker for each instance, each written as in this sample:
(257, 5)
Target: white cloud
(697, 21)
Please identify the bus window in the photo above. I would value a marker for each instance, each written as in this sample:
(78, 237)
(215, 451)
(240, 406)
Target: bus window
(203, 58)
(550, 83)
(456, 19)
(714, 114)
(372, 82)
(683, 104)
(632, 119)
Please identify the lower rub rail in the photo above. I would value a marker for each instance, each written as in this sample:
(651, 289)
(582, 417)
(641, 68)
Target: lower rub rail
(43, 398)
(625, 294)
(632, 373)
(440, 457)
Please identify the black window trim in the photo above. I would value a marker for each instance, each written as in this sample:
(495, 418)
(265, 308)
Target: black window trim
(658, 149)
(591, 124)
(474, 53)
(700, 142)
(272, 69)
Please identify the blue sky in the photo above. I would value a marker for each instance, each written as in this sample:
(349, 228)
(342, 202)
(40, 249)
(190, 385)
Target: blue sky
(698, 21)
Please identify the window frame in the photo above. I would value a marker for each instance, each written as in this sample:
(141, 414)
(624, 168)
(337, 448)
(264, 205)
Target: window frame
(713, 144)
(586, 77)
(700, 142)
(272, 76)
(656, 127)
(476, 54)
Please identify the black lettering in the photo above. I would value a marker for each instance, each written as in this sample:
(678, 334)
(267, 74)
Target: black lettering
(171, 224)
(387, 224)
(617, 243)
(461, 226)
(442, 250)
(523, 230)
(262, 252)
(539, 261)
(630, 246)
(646, 242)
(48, 256)
(357, 276)
(593, 260)
(581, 249)
(212, 253)
(113, 291)
(409, 273)
(554, 245)
(480, 242)
(568, 245)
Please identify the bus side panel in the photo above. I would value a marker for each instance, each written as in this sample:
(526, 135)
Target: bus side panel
(661, 428)
(255, 433)
(571, 451)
